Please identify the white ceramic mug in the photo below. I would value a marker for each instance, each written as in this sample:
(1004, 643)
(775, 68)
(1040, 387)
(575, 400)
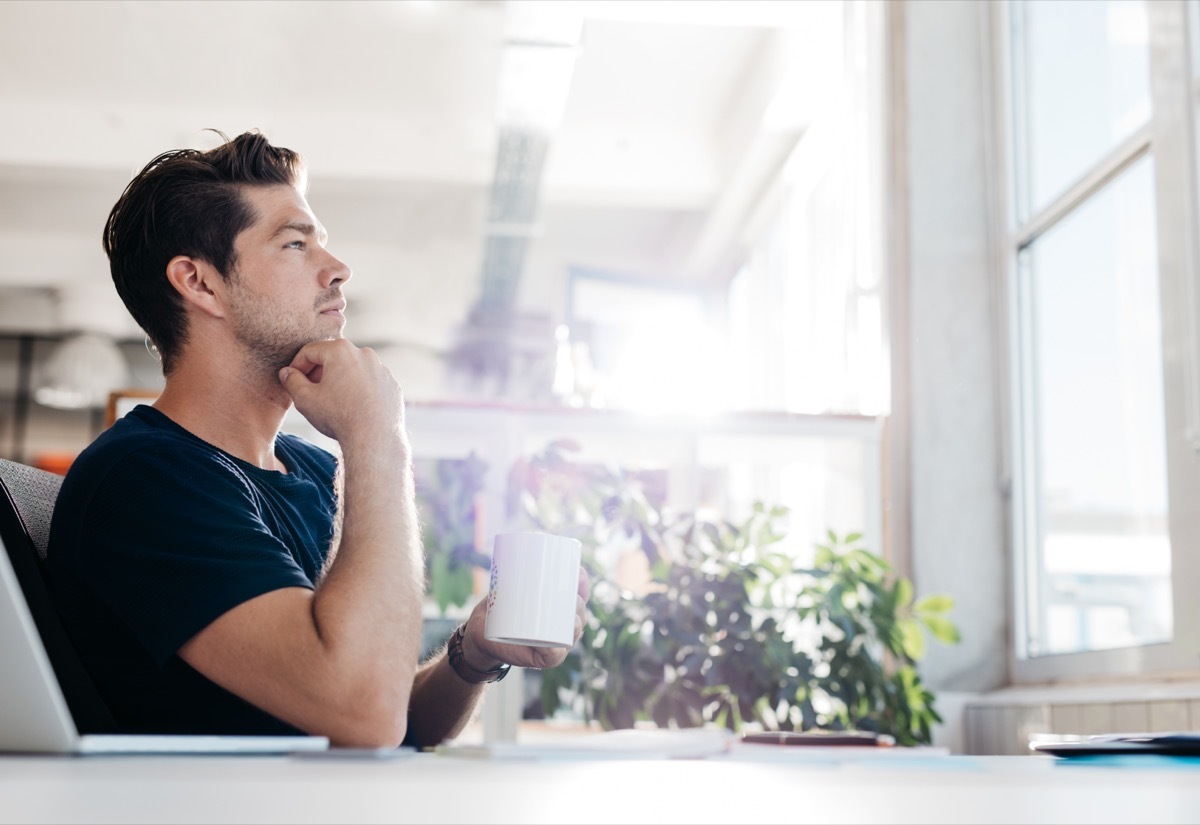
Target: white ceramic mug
(535, 584)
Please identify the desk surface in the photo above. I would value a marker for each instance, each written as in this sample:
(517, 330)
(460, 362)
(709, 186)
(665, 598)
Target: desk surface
(429, 788)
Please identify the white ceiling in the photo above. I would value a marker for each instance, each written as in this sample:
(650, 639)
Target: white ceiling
(677, 116)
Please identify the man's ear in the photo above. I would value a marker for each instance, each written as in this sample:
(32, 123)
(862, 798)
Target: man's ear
(198, 282)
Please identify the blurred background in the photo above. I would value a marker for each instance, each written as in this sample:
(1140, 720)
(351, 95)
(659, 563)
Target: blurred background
(619, 223)
(541, 201)
(659, 208)
(921, 270)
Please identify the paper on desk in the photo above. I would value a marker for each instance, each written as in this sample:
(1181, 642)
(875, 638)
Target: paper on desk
(692, 743)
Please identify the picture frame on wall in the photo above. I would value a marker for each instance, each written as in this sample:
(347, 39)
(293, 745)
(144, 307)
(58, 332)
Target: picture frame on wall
(123, 400)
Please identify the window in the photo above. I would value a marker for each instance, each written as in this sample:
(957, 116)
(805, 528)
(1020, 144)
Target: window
(1089, 291)
(806, 310)
(644, 346)
(800, 329)
(1098, 131)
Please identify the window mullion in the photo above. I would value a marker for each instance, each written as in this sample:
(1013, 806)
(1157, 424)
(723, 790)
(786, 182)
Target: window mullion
(1117, 161)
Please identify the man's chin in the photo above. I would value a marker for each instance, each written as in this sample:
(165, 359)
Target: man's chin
(314, 339)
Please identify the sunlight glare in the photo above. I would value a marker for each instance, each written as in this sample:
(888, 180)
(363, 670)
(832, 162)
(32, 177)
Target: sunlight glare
(672, 362)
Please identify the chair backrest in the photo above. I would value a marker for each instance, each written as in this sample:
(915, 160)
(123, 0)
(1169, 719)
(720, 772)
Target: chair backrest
(32, 493)
(27, 497)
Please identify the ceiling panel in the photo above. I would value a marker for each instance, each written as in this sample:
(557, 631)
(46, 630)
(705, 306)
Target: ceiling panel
(394, 104)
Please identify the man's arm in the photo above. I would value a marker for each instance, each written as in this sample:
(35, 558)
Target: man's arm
(340, 660)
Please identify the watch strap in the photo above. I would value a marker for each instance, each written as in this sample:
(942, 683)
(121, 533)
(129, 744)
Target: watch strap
(454, 653)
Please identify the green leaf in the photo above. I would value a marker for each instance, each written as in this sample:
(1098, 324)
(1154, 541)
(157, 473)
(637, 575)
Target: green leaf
(904, 592)
(439, 583)
(942, 628)
(913, 639)
(823, 556)
(933, 605)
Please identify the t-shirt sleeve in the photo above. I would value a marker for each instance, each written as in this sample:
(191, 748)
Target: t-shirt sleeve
(173, 541)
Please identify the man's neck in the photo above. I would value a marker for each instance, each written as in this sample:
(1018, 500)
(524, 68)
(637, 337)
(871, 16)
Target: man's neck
(238, 413)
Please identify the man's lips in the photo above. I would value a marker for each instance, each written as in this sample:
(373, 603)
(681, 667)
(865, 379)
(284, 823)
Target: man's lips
(334, 309)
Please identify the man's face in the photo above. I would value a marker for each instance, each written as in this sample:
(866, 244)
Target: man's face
(285, 289)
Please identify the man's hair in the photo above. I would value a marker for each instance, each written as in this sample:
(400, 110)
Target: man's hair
(187, 202)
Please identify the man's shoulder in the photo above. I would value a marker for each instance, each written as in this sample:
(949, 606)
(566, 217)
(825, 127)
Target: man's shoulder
(143, 438)
(140, 464)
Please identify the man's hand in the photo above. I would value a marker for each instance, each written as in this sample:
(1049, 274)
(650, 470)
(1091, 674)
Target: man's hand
(344, 391)
(483, 654)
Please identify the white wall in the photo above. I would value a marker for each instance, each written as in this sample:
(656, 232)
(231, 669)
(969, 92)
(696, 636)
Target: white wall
(956, 505)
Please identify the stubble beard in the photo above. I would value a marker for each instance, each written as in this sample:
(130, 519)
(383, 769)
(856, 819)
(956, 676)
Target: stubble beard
(271, 342)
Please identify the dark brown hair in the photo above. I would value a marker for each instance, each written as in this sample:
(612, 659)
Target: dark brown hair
(186, 202)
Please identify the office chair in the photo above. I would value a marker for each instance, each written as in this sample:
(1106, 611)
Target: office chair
(32, 493)
(27, 497)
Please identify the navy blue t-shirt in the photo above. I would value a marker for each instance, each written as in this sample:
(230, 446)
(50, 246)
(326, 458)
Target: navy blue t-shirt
(155, 534)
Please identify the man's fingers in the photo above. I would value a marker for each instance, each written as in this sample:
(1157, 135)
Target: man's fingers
(288, 376)
(317, 354)
(311, 356)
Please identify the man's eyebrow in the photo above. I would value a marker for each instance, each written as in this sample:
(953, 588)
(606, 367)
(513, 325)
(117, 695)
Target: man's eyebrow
(303, 227)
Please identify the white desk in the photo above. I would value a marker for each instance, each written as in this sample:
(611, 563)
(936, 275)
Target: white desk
(428, 788)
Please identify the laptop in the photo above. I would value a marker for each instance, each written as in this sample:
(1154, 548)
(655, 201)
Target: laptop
(34, 714)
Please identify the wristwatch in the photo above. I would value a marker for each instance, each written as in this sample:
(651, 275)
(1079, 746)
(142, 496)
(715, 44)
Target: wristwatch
(454, 653)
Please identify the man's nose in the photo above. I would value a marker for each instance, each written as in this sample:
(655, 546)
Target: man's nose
(334, 271)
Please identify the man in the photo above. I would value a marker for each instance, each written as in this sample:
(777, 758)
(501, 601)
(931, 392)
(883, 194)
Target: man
(219, 576)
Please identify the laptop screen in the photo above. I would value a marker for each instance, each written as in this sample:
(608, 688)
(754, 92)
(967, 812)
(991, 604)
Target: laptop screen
(33, 713)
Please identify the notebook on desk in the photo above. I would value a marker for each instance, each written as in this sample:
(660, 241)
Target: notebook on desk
(1173, 743)
(35, 716)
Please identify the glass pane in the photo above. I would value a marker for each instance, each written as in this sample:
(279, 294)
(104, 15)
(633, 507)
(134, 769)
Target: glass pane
(633, 346)
(1101, 559)
(1084, 87)
(822, 482)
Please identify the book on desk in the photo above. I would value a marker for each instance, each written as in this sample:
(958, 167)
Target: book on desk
(1175, 743)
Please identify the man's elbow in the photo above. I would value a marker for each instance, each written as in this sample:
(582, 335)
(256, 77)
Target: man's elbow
(370, 711)
(366, 726)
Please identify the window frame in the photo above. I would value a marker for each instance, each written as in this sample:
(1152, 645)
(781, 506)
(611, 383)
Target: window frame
(1168, 137)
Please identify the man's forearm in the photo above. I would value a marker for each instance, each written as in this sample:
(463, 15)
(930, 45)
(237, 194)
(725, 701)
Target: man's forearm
(367, 607)
(442, 703)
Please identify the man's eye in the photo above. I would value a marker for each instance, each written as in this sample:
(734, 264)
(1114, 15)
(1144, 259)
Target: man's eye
(296, 245)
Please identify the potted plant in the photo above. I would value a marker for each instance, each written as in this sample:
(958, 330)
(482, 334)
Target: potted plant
(725, 628)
